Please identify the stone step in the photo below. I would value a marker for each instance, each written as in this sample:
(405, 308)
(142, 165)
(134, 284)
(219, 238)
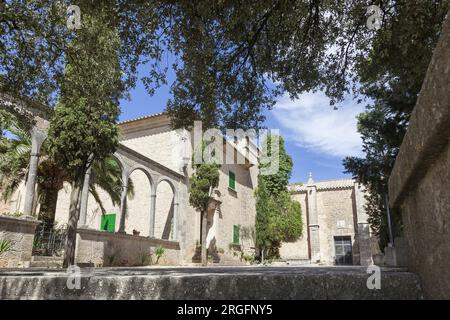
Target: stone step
(46, 258)
(224, 283)
(46, 262)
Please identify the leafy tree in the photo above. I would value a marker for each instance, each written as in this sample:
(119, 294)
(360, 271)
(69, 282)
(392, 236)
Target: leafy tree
(35, 43)
(83, 128)
(201, 184)
(278, 217)
(14, 157)
(86, 72)
(382, 135)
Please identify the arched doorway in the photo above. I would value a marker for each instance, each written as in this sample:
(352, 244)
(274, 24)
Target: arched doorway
(165, 210)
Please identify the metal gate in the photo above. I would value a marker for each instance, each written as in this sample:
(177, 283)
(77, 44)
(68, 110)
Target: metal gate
(48, 240)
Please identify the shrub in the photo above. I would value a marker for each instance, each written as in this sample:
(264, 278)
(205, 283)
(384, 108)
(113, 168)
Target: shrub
(159, 253)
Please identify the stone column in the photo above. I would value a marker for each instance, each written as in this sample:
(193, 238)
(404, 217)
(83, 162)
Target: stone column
(313, 222)
(84, 198)
(175, 221)
(151, 232)
(37, 138)
(123, 201)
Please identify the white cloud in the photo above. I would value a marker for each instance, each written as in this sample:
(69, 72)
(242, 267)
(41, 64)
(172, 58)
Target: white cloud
(312, 123)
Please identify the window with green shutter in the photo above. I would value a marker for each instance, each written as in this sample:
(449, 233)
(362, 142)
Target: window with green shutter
(236, 236)
(108, 222)
(231, 180)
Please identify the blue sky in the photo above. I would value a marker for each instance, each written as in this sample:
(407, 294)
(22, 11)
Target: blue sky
(317, 137)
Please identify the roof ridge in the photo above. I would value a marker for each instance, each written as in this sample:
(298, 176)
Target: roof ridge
(143, 117)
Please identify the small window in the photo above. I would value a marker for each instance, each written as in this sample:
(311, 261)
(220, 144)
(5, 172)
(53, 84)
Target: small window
(231, 180)
(236, 235)
(108, 222)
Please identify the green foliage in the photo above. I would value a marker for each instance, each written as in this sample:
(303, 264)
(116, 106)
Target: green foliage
(159, 253)
(382, 135)
(36, 43)
(279, 181)
(204, 179)
(5, 246)
(83, 126)
(14, 158)
(14, 155)
(278, 217)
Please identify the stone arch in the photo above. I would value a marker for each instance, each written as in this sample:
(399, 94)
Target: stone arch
(139, 208)
(166, 209)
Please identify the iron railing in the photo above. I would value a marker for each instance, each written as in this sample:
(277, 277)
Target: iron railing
(48, 240)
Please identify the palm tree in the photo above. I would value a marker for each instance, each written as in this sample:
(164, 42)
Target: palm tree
(15, 148)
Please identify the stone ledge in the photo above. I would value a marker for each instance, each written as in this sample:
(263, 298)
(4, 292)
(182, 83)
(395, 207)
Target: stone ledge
(429, 129)
(18, 220)
(238, 283)
(152, 241)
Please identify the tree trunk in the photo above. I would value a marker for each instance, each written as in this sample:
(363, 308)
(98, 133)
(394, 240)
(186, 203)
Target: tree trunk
(74, 213)
(48, 205)
(204, 230)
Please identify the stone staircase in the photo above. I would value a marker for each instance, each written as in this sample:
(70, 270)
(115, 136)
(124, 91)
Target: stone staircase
(46, 262)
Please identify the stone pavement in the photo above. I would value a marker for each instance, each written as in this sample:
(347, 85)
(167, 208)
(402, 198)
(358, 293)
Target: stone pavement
(228, 283)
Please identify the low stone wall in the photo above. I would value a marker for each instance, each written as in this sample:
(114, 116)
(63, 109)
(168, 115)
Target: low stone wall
(101, 248)
(21, 233)
(232, 283)
(420, 182)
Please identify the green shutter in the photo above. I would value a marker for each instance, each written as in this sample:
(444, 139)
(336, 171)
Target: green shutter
(231, 180)
(108, 222)
(236, 237)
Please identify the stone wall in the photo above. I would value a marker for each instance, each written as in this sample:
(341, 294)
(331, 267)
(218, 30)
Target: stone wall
(153, 138)
(21, 233)
(420, 182)
(237, 207)
(101, 248)
(4, 206)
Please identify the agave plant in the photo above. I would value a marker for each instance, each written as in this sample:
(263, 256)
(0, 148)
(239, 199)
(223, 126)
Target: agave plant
(5, 246)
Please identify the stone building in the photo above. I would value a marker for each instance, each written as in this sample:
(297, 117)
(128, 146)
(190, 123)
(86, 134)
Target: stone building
(157, 160)
(335, 227)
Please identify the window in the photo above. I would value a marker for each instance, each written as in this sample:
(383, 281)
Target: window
(343, 250)
(108, 222)
(231, 180)
(236, 236)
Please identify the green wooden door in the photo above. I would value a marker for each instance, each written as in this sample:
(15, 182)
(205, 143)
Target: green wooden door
(108, 222)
